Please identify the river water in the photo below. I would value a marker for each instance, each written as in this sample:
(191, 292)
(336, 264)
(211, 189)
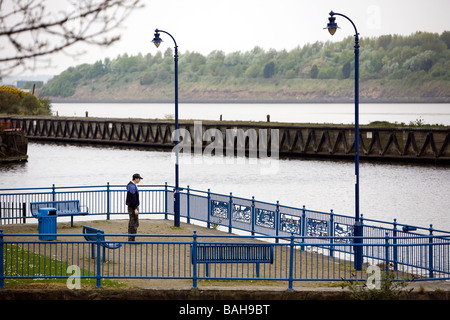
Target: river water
(291, 113)
(413, 194)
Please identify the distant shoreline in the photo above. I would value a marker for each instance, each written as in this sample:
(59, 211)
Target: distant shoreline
(246, 101)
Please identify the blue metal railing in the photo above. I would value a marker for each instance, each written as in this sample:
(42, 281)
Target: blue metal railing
(101, 200)
(403, 248)
(170, 257)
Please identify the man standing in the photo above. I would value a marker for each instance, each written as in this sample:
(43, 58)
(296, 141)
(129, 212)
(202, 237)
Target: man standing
(132, 202)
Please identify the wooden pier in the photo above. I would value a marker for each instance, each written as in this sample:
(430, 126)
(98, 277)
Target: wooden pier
(404, 144)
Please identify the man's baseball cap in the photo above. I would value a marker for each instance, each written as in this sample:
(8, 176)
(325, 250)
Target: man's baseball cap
(136, 176)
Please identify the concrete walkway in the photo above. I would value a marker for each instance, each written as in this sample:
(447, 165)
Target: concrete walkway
(151, 289)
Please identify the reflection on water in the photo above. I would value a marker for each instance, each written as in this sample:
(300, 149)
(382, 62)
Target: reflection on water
(412, 194)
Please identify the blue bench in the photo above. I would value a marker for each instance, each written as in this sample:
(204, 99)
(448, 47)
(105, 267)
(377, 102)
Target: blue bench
(63, 208)
(91, 234)
(232, 253)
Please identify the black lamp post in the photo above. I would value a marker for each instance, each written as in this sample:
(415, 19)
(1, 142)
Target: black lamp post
(358, 230)
(157, 41)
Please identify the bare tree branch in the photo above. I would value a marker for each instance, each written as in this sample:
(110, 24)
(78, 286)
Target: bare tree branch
(30, 29)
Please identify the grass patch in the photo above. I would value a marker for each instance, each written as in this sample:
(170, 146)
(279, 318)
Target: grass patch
(389, 288)
(27, 268)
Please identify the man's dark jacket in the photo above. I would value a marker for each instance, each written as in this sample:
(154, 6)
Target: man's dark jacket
(132, 195)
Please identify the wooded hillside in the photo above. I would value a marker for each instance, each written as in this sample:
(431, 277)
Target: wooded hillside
(392, 68)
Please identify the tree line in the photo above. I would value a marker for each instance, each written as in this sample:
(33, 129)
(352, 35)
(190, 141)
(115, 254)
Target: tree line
(422, 56)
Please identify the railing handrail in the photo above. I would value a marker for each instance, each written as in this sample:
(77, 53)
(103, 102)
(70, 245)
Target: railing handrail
(286, 260)
(80, 187)
(255, 237)
(196, 192)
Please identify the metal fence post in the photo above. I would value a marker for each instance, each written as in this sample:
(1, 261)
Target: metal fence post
(99, 265)
(2, 267)
(194, 260)
(386, 245)
(208, 216)
(395, 251)
(331, 233)
(165, 200)
(291, 262)
(277, 221)
(358, 248)
(230, 213)
(303, 228)
(188, 204)
(430, 252)
(107, 201)
(253, 216)
(53, 193)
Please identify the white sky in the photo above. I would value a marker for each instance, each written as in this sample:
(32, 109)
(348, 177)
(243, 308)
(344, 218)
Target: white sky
(240, 25)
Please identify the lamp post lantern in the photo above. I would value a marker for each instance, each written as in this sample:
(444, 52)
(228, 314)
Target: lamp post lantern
(176, 204)
(358, 230)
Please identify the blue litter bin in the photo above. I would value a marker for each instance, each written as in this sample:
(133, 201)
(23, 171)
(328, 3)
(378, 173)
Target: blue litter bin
(47, 223)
